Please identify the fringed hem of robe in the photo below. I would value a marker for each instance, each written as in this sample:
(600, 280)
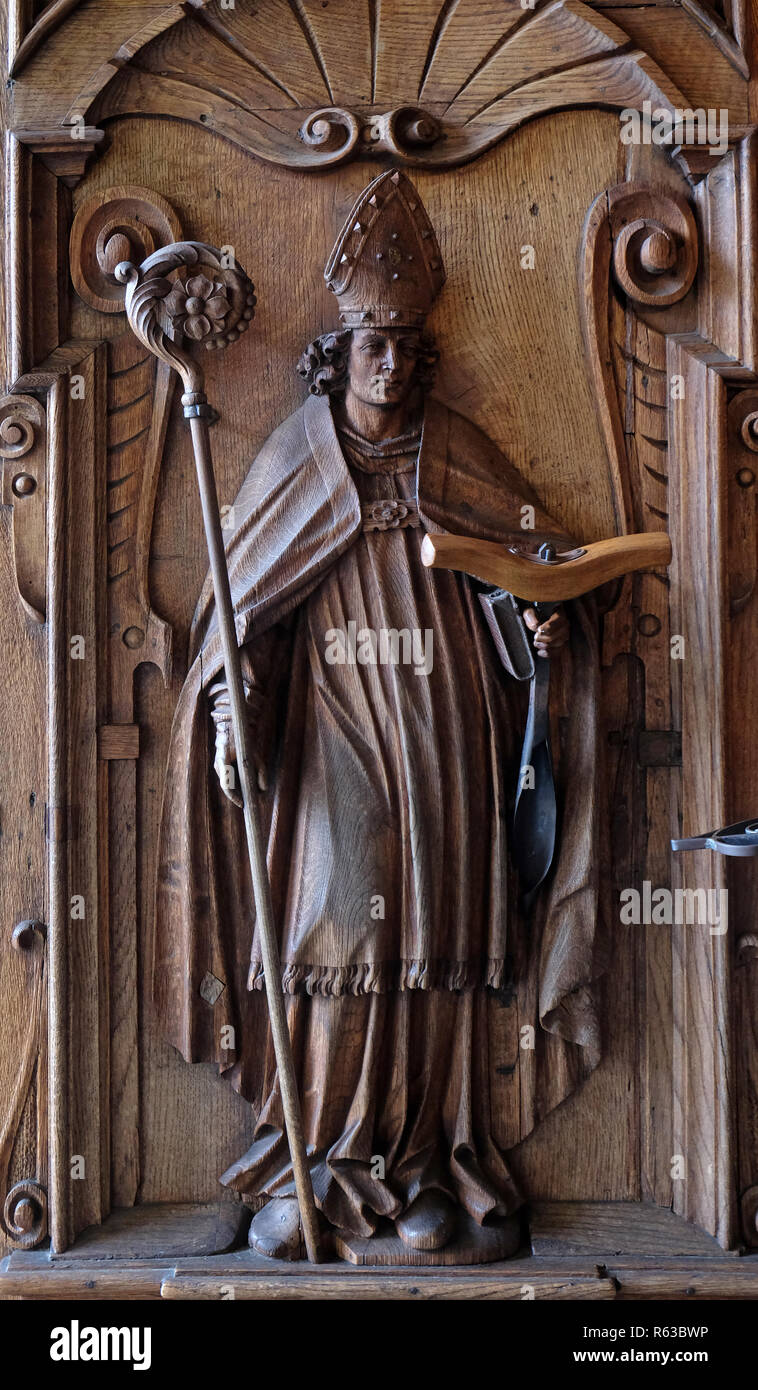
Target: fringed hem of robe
(379, 978)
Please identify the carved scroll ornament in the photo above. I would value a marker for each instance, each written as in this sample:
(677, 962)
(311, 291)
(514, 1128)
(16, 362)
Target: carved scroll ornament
(640, 241)
(334, 134)
(125, 223)
(24, 1213)
(22, 454)
(655, 253)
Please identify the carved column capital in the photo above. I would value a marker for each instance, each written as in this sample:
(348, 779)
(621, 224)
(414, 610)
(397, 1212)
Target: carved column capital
(64, 150)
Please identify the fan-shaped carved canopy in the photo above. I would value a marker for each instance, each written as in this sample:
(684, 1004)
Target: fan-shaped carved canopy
(308, 83)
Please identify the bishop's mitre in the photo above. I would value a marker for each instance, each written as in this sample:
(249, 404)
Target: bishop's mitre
(386, 268)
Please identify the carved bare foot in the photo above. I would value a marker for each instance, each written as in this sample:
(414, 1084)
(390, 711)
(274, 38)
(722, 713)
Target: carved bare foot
(428, 1223)
(276, 1231)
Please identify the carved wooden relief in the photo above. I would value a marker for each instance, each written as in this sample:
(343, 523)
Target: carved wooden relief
(24, 1216)
(359, 79)
(24, 438)
(594, 347)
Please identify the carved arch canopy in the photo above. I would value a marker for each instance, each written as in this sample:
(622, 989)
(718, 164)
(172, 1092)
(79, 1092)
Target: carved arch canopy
(309, 84)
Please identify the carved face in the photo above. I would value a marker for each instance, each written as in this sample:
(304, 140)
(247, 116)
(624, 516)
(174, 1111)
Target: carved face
(382, 364)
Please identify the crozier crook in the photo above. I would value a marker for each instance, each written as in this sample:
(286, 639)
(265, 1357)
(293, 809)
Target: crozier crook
(214, 309)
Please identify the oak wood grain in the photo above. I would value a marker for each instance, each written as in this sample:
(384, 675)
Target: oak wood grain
(480, 384)
(513, 361)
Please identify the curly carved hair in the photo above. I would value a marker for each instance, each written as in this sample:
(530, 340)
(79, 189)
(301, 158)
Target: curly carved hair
(323, 365)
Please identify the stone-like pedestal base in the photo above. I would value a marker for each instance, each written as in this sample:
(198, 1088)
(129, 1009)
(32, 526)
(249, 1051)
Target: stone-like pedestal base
(471, 1245)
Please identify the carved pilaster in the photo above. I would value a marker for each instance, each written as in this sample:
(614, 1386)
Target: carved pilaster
(646, 240)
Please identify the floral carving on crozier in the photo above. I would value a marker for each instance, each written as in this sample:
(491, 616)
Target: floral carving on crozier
(197, 307)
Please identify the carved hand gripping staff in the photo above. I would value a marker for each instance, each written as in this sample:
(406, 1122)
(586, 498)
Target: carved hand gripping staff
(215, 311)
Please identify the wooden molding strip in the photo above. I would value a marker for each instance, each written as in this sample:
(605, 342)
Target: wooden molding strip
(34, 1276)
(703, 1114)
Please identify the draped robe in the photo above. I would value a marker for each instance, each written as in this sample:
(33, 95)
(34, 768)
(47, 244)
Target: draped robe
(408, 972)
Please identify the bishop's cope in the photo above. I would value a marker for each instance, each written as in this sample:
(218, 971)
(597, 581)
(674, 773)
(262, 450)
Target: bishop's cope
(433, 1024)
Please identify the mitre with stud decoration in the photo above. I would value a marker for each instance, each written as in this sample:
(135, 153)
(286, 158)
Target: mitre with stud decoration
(386, 268)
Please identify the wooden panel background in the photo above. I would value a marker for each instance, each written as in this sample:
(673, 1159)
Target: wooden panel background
(513, 360)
